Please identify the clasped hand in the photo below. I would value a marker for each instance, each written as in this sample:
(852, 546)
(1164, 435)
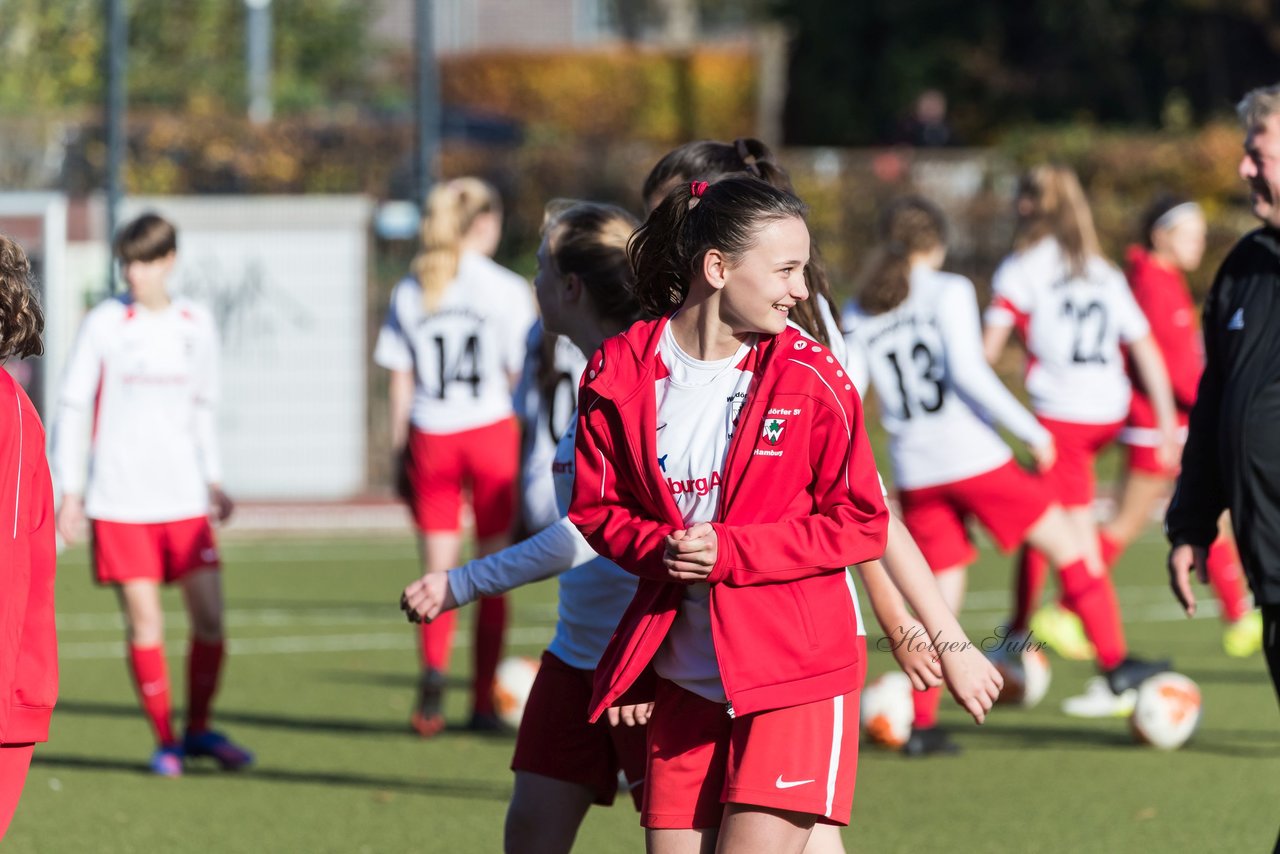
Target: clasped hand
(691, 553)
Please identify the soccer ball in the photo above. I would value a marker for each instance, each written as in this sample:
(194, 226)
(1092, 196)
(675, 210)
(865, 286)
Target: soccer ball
(511, 687)
(1167, 711)
(1026, 678)
(887, 709)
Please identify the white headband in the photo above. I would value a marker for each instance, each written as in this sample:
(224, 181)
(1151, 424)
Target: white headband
(1170, 218)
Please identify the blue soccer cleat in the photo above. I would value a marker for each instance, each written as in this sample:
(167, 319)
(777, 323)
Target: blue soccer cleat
(228, 754)
(167, 761)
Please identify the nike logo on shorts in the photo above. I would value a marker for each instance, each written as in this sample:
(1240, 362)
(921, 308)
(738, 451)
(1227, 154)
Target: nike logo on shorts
(789, 784)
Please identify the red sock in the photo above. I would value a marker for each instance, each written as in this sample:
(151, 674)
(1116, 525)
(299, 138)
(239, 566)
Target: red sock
(1109, 548)
(1031, 573)
(1093, 599)
(491, 629)
(926, 706)
(204, 663)
(1227, 579)
(151, 678)
(437, 640)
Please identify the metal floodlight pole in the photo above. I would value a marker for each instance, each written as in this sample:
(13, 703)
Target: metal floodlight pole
(258, 59)
(427, 92)
(117, 48)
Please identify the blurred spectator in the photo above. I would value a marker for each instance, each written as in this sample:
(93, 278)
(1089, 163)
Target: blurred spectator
(926, 126)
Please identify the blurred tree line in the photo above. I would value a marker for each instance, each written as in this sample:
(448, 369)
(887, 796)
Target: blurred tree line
(857, 66)
(187, 55)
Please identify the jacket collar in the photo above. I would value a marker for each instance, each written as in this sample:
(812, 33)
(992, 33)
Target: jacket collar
(630, 359)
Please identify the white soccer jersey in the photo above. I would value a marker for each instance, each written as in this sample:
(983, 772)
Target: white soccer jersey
(545, 414)
(465, 352)
(134, 432)
(1073, 327)
(594, 592)
(698, 406)
(936, 391)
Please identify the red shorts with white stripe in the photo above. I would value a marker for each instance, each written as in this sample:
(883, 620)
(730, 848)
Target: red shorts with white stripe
(1071, 479)
(1141, 441)
(801, 758)
(484, 460)
(557, 740)
(152, 551)
(1008, 501)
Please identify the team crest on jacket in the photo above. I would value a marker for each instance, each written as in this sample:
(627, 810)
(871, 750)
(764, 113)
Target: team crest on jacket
(772, 431)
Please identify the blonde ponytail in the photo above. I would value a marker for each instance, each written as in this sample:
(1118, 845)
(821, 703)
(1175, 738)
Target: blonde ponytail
(451, 209)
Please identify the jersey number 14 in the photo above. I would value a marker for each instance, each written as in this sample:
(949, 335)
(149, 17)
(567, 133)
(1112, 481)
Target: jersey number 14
(464, 367)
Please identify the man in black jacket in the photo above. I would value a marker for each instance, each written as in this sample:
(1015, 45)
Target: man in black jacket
(1232, 456)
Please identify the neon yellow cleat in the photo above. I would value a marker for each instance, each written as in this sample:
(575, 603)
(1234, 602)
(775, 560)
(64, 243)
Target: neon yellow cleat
(1063, 632)
(1243, 638)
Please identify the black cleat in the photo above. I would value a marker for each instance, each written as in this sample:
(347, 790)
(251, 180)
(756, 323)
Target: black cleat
(428, 715)
(924, 742)
(486, 722)
(1132, 672)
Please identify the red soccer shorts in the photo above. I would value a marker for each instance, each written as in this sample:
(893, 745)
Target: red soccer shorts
(154, 551)
(1071, 478)
(1007, 500)
(556, 740)
(441, 464)
(1141, 443)
(801, 758)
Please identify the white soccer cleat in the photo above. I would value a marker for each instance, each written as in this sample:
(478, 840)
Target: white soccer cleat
(1098, 701)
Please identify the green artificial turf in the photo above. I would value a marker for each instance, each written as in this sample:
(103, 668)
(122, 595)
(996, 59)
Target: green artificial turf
(321, 681)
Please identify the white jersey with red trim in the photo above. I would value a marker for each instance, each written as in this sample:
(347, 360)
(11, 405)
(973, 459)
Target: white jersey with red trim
(545, 414)
(463, 353)
(937, 394)
(1074, 326)
(698, 404)
(135, 432)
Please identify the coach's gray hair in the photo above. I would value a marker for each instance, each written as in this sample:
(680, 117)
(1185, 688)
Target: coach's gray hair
(1259, 105)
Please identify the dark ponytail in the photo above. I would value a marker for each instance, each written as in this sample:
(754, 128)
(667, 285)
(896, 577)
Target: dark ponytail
(666, 251)
(707, 160)
(907, 227)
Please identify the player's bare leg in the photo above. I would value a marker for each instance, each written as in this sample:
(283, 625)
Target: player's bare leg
(438, 551)
(545, 814)
(1138, 497)
(825, 839)
(667, 841)
(748, 829)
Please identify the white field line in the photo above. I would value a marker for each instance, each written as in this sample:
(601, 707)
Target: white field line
(1151, 609)
(275, 618)
(305, 643)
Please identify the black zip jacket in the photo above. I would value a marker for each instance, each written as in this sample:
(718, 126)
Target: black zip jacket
(1232, 456)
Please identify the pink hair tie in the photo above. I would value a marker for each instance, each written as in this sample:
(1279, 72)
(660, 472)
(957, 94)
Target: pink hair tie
(698, 188)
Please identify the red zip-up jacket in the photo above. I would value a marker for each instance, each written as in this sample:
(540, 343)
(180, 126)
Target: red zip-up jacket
(28, 645)
(1164, 298)
(798, 504)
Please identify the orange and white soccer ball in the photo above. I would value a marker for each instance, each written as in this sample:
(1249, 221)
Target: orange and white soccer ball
(511, 687)
(1026, 678)
(887, 709)
(1167, 711)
